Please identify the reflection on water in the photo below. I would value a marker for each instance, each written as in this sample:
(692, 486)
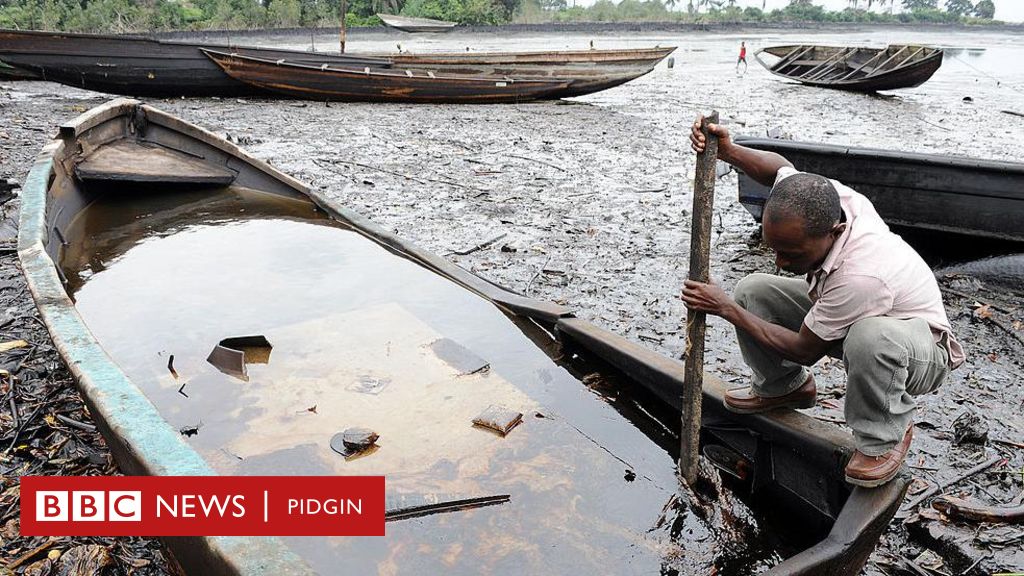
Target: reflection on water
(353, 329)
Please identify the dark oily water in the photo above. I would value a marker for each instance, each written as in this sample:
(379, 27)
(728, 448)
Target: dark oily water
(355, 331)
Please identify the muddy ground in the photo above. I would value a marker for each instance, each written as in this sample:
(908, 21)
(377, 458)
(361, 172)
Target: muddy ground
(587, 202)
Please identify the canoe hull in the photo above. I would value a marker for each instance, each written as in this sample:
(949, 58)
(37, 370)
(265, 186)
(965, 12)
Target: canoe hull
(590, 70)
(139, 66)
(925, 191)
(347, 85)
(854, 69)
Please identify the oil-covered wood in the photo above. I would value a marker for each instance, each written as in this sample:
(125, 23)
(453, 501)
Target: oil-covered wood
(331, 83)
(969, 196)
(700, 270)
(139, 66)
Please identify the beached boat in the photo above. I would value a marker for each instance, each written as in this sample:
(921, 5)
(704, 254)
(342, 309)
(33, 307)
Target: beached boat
(853, 68)
(138, 66)
(956, 194)
(331, 83)
(589, 70)
(407, 24)
(370, 330)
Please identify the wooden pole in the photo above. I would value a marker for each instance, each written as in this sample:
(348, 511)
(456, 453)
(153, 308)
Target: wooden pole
(700, 248)
(344, 12)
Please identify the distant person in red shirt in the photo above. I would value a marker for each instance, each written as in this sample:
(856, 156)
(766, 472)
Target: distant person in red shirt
(742, 58)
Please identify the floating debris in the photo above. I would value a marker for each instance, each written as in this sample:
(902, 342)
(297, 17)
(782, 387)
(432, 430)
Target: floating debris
(355, 441)
(405, 507)
(170, 368)
(499, 418)
(231, 355)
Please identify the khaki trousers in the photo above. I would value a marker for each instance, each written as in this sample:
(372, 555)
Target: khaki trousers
(887, 361)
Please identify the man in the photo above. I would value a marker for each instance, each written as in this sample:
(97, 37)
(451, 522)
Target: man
(868, 298)
(742, 58)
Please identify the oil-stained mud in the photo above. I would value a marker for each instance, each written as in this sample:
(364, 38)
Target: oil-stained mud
(587, 202)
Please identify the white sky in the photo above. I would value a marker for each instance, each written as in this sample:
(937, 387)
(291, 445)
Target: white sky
(1007, 10)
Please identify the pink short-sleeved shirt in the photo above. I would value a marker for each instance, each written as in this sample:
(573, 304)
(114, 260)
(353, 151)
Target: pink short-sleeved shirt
(871, 272)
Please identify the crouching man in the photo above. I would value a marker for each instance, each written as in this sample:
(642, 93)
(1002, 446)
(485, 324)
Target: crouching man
(867, 297)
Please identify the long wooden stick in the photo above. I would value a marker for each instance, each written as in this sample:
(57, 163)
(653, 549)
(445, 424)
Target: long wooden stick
(700, 248)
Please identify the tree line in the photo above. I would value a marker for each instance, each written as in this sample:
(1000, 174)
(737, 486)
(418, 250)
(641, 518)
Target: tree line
(136, 16)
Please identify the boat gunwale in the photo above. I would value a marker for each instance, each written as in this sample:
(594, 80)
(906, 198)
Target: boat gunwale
(143, 442)
(920, 158)
(643, 55)
(388, 73)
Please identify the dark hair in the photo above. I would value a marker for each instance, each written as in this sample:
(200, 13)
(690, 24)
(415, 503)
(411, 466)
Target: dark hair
(811, 198)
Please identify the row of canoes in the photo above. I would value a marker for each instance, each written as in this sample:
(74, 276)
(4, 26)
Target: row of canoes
(142, 66)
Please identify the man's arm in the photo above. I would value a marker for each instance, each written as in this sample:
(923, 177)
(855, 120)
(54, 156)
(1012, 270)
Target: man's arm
(803, 347)
(760, 165)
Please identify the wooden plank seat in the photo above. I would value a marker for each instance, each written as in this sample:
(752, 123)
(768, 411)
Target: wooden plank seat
(146, 163)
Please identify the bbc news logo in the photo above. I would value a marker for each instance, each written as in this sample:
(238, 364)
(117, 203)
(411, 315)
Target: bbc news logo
(202, 506)
(89, 506)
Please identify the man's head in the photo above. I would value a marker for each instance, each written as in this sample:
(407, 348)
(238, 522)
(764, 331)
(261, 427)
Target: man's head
(802, 219)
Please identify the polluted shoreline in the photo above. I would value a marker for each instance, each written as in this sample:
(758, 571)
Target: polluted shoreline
(540, 203)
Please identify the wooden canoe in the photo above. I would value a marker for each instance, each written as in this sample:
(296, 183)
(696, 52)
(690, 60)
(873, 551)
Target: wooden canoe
(968, 196)
(139, 66)
(590, 70)
(587, 474)
(853, 68)
(331, 83)
(407, 24)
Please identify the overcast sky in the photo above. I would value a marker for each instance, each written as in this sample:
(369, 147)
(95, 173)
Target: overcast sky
(1008, 10)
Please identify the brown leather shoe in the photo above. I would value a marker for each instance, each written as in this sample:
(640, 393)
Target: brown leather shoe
(872, 471)
(743, 400)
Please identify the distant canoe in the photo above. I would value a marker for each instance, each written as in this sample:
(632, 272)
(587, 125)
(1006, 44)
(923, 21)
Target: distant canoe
(406, 24)
(139, 66)
(332, 83)
(590, 70)
(853, 68)
(967, 196)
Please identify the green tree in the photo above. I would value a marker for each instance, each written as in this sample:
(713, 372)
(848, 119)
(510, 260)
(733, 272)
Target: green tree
(985, 9)
(959, 7)
(284, 13)
(913, 5)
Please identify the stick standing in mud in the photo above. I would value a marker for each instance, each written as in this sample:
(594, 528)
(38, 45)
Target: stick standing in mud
(700, 247)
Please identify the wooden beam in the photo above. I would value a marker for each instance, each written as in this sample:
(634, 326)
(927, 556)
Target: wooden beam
(835, 58)
(780, 65)
(700, 250)
(890, 59)
(858, 68)
(908, 58)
